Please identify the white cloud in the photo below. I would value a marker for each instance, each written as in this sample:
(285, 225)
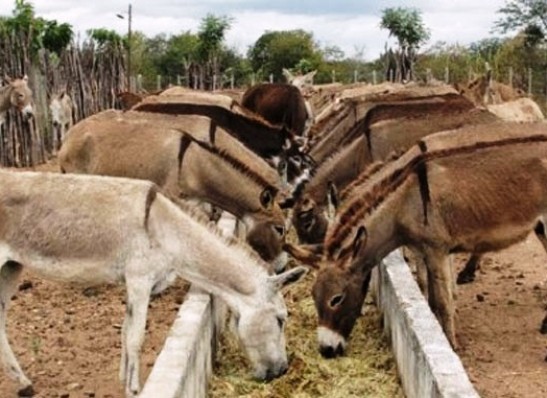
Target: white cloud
(349, 24)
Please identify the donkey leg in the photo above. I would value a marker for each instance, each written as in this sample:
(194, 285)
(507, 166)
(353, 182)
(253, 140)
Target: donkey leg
(9, 273)
(138, 297)
(441, 291)
(467, 274)
(541, 233)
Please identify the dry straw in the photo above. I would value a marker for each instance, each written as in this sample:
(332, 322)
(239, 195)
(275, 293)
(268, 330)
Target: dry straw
(367, 370)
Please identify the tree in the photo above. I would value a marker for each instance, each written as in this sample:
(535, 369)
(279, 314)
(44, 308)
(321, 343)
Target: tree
(530, 16)
(291, 49)
(211, 36)
(406, 25)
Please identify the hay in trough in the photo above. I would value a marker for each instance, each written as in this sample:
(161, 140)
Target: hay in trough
(367, 370)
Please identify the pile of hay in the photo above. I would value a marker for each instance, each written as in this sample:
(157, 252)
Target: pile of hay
(367, 370)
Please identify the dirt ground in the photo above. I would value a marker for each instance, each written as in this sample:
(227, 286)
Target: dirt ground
(498, 322)
(67, 339)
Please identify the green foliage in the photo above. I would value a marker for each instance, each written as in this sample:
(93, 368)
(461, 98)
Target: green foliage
(39, 32)
(211, 35)
(56, 36)
(104, 37)
(406, 25)
(292, 49)
(526, 15)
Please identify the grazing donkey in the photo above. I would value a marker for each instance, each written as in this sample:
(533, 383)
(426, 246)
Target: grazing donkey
(96, 230)
(60, 107)
(183, 167)
(479, 189)
(16, 94)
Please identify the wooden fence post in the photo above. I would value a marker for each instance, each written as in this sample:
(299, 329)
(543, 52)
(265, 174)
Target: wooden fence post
(158, 82)
(530, 81)
(511, 76)
(374, 80)
(446, 75)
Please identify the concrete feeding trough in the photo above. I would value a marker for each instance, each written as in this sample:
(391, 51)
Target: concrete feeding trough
(426, 363)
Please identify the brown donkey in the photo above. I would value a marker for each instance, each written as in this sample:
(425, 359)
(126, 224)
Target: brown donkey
(183, 167)
(479, 189)
(16, 94)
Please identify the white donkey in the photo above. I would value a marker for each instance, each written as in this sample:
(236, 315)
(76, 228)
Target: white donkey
(93, 229)
(60, 107)
(16, 94)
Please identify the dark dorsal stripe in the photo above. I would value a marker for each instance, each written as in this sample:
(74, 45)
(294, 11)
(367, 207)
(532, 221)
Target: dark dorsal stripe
(421, 171)
(185, 141)
(374, 197)
(150, 197)
(227, 158)
(212, 132)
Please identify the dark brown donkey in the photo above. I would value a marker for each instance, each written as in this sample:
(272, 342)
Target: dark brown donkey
(479, 189)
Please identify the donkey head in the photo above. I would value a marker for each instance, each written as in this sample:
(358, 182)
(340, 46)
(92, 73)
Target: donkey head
(266, 231)
(21, 96)
(261, 327)
(338, 292)
(311, 219)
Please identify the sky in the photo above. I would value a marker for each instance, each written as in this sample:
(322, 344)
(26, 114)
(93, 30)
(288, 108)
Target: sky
(352, 25)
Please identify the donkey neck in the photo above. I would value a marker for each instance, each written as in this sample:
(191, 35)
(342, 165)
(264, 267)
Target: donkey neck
(340, 169)
(220, 181)
(220, 265)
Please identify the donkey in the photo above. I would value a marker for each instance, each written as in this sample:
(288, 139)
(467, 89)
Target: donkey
(276, 143)
(134, 235)
(279, 104)
(479, 189)
(16, 94)
(183, 167)
(376, 143)
(60, 107)
(259, 135)
(304, 83)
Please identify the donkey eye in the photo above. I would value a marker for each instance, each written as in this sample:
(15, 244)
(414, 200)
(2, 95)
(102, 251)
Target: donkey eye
(280, 322)
(336, 300)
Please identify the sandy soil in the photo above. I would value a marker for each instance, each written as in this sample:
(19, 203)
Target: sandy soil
(67, 338)
(498, 322)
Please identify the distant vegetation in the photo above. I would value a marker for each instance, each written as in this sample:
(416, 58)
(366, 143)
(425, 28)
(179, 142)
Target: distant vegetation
(202, 58)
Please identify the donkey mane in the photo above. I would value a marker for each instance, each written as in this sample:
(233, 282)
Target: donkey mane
(177, 108)
(227, 158)
(199, 216)
(393, 174)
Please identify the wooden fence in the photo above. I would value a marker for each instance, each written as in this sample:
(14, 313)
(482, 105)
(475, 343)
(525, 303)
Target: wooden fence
(90, 74)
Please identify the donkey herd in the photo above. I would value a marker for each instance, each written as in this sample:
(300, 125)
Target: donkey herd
(358, 171)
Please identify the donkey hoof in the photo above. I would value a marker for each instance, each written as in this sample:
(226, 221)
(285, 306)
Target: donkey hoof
(28, 391)
(465, 278)
(543, 328)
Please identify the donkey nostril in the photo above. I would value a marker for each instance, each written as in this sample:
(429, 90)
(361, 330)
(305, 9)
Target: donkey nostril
(327, 351)
(330, 352)
(280, 230)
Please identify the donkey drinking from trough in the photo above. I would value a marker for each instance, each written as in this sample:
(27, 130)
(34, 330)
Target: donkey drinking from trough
(479, 189)
(96, 230)
(16, 94)
(60, 107)
(183, 167)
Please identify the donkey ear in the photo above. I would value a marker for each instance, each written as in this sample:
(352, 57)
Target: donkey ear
(310, 255)
(25, 78)
(287, 73)
(266, 198)
(359, 240)
(287, 278)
